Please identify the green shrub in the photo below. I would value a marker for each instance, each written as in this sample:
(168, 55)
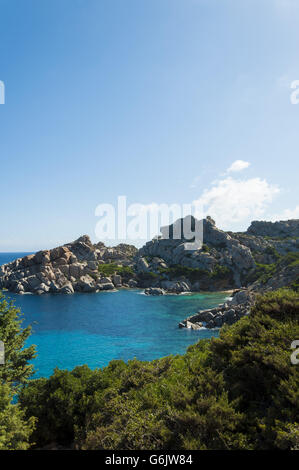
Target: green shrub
(15, 429)
(262, 272)
(295, 285)
(177, 270)
(196, 274)
(148, 276)
(290, 259)
(108, 269)
(221, 272)
(270, 250)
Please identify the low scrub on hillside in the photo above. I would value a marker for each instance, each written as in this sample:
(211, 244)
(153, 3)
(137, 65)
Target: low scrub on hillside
(108, 269)
(196, 274)
(264, 272)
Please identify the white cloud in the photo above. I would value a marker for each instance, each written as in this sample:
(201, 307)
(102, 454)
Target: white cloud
(238, 165)
(287, 214)
(232, 201)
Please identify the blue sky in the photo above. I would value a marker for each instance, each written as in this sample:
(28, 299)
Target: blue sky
(154, 100)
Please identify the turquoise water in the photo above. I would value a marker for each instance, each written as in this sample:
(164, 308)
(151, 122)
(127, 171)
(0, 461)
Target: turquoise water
(95, 328)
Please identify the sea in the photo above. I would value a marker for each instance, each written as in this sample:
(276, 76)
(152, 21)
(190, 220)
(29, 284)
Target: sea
(95, 328)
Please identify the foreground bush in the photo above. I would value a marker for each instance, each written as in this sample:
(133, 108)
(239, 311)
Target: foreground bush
(15, 429)
(239, 391)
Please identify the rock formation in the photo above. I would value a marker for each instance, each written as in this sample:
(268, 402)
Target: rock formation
(66, 269)
(227, 313)
(282, 229)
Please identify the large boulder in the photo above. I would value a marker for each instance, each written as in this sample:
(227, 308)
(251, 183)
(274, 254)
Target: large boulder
(117, 281)
(176, 286)
(142, 265)
(132, 283)
(86, 284)
(154, 291)
(76, 270)
(105, 286)
(67, 289)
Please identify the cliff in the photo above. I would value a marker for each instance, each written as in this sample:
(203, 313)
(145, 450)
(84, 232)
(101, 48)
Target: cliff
(282, 229)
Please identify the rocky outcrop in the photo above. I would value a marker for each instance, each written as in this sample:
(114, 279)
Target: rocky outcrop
(176, 287)
(169, 287)
(282, 229)
(226, 260)
(227, 313)
(221, 252)
(66, 269)
(154, 291)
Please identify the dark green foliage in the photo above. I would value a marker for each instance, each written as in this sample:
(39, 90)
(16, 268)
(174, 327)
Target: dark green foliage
(282, 305)
(15, 430)
(196, 274)
(295, 285)
(290, 259)
(108, 269)
(16, 370)
(254, 355)
(148, 276)
(177, 271)
(239, 391)
(59, 402)
(126, 272)
(264, 272)
(221, 272)
(270, 250)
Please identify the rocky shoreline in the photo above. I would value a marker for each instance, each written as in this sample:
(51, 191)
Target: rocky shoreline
(228, 313)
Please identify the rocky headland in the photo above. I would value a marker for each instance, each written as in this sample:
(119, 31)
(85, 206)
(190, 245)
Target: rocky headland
(263, 258)
(74, 267)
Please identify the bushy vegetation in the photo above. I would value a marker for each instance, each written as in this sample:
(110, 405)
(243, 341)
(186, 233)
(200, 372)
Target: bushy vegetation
(295, 285)
(147, 276)
(177, 270)
(290, 259)
(263, 272)
(239, 391)
(196, 274)
(221, 272)
(108, 269)
(270, 250)
(15, 429)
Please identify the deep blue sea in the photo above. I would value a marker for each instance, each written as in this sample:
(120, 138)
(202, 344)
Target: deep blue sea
(93, 329)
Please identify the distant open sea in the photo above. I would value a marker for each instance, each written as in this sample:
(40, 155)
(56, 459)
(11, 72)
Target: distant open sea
(93, 329)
